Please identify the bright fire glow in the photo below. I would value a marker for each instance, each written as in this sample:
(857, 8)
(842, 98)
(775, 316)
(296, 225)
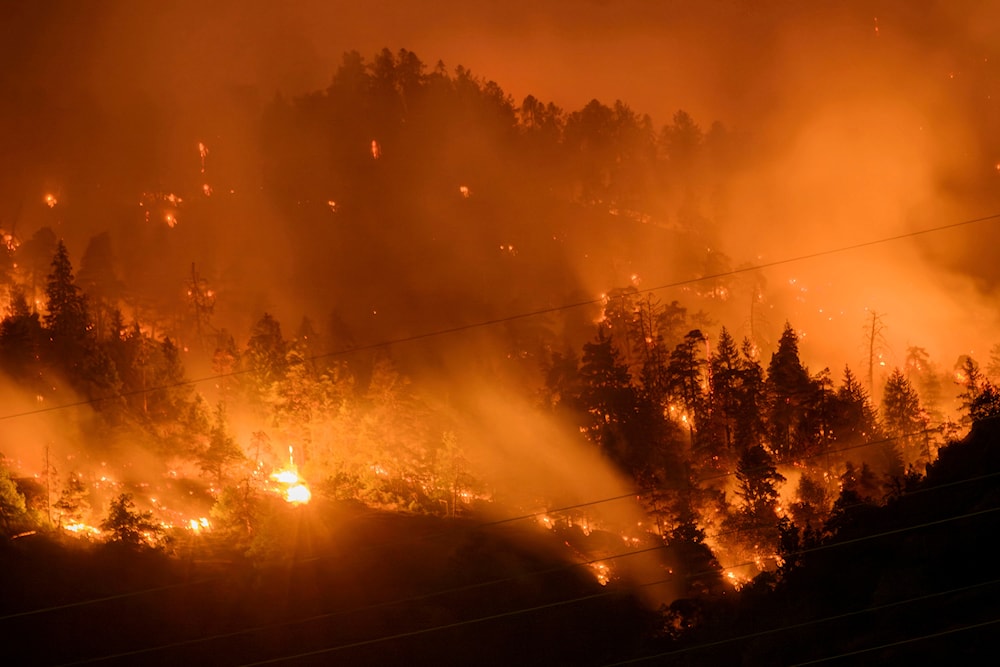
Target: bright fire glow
(602, 573)
(50, 200)
(82, 529)
(295, 492)
(298, 494)
(198, 525)
(286, 476)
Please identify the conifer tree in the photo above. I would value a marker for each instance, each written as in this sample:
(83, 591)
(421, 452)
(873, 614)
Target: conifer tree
(788, 389)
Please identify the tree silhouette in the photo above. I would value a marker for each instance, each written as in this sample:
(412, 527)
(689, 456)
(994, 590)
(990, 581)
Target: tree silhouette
(128, 526)
(788, 389)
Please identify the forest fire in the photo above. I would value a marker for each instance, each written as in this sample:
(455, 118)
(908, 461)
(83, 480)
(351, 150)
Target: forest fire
(292, 487)
(405, 287)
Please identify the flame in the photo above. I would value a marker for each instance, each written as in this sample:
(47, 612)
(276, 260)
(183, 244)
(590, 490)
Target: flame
(602, 572)
(82, 529)
(50, 200)
(376, 150)
(198, 525)
(298, 494)
(295, 492)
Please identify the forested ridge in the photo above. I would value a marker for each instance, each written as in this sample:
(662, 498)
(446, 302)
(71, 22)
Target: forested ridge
(769, 495)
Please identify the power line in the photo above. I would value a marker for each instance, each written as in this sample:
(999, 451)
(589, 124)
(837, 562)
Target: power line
(525, 315)
(798, 626)
(379, 605)
(589, 597)
(543, 572)
(498, 522)
(919, 638)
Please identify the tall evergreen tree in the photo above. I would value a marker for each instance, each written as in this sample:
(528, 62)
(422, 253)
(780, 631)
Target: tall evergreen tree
(724, 389)
(904, 425)
(855, 420)
(686, 378)
(750, 428)
(788, 389)
(66, 320)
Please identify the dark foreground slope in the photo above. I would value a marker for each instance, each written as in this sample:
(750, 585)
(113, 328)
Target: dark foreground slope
(353, 587)
(913, 581)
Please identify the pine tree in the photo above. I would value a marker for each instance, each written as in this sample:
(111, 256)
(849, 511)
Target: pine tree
(67, 320)
(854, 418)
(788, 390)
(724, 389)
(904, 425)
(749, 428)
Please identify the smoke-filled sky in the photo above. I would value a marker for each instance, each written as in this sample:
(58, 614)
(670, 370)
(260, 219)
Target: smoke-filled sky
(871, 119)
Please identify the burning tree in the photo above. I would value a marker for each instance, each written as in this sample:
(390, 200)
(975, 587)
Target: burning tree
(129, 526)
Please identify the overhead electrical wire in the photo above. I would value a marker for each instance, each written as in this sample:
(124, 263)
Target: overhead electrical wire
(507, 520)
(486, 323)
(547, 571)
(825, 619)
(520, 316)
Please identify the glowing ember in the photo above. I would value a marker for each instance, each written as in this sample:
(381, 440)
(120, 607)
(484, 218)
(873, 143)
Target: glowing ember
(376, 150)
(50, 200)
(464, 190)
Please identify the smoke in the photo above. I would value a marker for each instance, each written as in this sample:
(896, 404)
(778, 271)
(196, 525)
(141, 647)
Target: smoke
(535, 464)
(855, 122)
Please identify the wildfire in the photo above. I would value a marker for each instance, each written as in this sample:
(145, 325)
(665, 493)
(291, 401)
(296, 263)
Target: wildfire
(83, 529)
(602, 572)
(50, 200)
(295, 490)
(198, 525)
